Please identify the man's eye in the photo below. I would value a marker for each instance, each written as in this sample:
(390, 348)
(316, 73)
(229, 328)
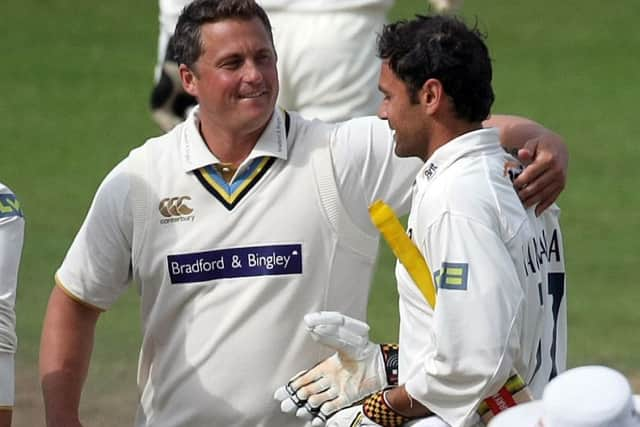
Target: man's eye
(264, 58)
(232, 65)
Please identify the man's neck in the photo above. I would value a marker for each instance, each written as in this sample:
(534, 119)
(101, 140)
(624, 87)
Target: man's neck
(229, 146)
(443, 133)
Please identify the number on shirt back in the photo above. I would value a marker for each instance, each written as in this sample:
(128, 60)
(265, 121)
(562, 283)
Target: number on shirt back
(555, 288)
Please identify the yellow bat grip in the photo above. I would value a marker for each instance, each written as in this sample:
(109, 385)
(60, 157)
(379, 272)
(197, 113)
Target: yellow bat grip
(403, 248)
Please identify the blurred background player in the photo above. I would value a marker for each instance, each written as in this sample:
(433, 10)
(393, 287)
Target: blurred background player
(11, 240)
(326, 58)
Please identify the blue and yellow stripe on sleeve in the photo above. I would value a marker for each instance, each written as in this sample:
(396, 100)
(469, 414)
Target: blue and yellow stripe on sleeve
(10, 206)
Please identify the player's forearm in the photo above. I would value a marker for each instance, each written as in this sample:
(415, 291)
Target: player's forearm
(402, 403)
(65, 351)
(515, 131)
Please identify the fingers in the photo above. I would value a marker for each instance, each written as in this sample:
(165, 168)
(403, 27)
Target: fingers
(309, 402)
(356, 326)
(331, 403)
(339, 338)
(546, 151)
(542, 191)
(533, 171)
(289, 400)
(326, 411)
(310, 395)
(304, 384)
(324, 317)
(290, 404)
(547, 200)
(327, 319)
(525, 154)
(281, 394)
(341, 341)
(296, 400)
(531, 185)
(316, 392)
(316, 405)
(543, 180)
(342, 333)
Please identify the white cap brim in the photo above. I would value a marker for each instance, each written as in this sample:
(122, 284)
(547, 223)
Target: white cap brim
(528, 414)
(523, 415)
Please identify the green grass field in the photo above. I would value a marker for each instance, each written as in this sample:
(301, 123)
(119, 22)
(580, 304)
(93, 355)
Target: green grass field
(74, 86)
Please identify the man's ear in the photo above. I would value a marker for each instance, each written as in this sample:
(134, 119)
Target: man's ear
(432, 95)
(189, 80)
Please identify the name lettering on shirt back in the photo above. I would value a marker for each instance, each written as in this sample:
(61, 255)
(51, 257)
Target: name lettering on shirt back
(541, 250)
(235, 262)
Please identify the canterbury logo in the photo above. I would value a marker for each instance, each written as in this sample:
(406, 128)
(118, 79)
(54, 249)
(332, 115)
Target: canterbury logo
(174, 206)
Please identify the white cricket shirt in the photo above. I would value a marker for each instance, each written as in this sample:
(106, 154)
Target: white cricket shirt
(11, 240)
(227, 271)
(490, 312)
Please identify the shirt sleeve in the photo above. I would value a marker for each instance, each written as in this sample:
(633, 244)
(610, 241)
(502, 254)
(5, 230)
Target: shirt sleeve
(367, 169)
(97, 267)
(11, 241)
(476, 320)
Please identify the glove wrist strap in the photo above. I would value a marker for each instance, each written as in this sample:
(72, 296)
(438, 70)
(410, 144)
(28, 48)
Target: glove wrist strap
(378, 410)
(390, 360)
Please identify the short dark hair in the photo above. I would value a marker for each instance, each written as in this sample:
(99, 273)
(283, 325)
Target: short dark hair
(444, 48)
(187, 41)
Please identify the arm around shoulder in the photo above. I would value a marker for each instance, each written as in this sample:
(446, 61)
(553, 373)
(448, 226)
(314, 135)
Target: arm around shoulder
(542, 150)
(65, 352)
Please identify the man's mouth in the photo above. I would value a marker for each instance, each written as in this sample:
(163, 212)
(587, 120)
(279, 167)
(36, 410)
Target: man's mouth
(254, 94)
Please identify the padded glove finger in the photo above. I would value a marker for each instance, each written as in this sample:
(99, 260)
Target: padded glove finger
(342, 333)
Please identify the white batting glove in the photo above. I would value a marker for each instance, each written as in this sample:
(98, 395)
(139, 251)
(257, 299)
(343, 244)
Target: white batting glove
(358, 368)
(350, 417)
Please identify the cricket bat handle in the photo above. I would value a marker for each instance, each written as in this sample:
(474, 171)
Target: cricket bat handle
(403, 248)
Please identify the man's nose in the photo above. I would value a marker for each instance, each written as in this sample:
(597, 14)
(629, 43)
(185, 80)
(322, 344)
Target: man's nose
(382, 112)
(252, 72)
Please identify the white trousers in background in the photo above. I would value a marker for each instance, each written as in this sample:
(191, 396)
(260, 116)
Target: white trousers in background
(327, 63)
